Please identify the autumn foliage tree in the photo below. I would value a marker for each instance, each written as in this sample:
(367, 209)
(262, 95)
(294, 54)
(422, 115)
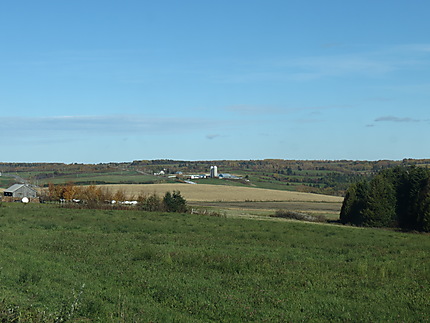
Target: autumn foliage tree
(70, 191)
(95, 197)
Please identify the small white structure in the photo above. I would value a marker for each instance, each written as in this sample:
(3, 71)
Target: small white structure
(228, 176)
(189, 182)
(214, 172)
(128, 202)
(196, 176)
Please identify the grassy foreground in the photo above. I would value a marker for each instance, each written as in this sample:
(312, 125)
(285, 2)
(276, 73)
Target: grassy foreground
(109, 266)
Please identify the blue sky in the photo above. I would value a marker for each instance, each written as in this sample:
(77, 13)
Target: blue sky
(99, 81)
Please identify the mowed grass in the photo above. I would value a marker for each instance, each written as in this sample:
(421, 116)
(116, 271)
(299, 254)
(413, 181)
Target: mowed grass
(132, 266)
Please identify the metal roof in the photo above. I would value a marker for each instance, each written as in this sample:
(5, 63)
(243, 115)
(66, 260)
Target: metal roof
(16, 187)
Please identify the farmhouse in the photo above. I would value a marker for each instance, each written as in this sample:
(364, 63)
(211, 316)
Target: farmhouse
(20, 190)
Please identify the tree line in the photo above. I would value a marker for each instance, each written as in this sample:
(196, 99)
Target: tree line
(398, 197)
(97, 197)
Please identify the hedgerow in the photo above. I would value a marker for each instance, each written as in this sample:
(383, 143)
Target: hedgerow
(96, 197)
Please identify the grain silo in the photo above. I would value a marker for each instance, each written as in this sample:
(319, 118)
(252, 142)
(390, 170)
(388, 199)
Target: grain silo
(214, 171)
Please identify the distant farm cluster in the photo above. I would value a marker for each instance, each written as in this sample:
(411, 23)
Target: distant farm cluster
(213, 173)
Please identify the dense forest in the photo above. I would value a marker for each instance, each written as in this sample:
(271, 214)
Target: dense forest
(396, 197)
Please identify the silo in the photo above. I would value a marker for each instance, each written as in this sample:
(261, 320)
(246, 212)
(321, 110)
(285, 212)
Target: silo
(214, 171)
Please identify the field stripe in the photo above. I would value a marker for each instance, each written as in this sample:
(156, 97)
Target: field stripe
(221, 193)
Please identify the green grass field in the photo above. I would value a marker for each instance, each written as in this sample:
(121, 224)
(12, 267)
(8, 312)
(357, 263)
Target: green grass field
(113, 176)
(133, 178)
(6, 182)
(132, 266)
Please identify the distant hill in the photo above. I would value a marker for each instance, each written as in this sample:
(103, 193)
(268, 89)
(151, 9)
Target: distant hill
(331, 177)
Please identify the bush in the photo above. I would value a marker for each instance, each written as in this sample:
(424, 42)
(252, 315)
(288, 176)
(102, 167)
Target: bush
(174, 202)
(150, 203)
(171, 202)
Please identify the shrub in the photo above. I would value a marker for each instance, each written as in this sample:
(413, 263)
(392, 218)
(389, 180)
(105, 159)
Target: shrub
(174, 202)
(151, 203)
(298, 216)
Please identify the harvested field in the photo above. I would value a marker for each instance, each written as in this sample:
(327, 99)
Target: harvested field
(330, 210)
(217, 193)
(333, 207)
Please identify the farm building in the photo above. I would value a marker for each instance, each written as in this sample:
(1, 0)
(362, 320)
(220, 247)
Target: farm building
(20, 190)
(228, 176)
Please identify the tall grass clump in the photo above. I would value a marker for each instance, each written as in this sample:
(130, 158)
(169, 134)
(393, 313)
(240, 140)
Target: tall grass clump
(293, 215)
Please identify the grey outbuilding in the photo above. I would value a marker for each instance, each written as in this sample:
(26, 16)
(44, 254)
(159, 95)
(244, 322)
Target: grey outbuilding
(20, 190)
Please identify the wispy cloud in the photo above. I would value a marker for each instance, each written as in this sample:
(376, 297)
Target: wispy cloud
(99, 125)
(212, 136)
(358, 61)
(311, 68)
(254, 109)
(417, 48)
(277, 110)
(395, 119)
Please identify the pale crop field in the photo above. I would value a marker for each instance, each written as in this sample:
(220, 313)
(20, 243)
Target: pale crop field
(213, 193)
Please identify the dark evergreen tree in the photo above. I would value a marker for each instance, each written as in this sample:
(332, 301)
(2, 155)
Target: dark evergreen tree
(380, 209)
(397, 197)
(423, 219)
(355, 203)
(174, 202)
(412, 183)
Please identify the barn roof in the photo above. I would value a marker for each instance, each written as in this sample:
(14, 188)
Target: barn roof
(16, 187)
